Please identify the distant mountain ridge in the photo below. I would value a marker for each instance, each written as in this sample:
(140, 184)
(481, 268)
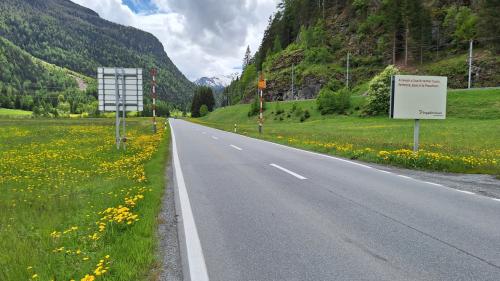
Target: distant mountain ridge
(74, 37)
(217, 83)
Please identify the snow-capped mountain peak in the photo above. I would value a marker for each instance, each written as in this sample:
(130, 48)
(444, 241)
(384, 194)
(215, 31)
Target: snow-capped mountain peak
(216, 82)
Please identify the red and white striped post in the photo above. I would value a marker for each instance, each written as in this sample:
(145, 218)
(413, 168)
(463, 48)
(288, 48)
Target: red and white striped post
(261, 86)
(153, 94)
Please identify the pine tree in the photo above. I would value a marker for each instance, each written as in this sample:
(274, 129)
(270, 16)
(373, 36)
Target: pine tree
(247, 58)
(277, 45)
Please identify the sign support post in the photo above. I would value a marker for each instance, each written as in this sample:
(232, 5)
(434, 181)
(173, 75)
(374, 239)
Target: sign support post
(124, 109)
(416, 133)
(117, 110)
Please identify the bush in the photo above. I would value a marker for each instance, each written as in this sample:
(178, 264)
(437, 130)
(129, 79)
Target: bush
(202, 96)
(255, 106)
(330, 102)
(379, 92)
(278, 109)
(203, 110)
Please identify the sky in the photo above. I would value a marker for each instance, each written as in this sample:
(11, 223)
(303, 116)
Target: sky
(202, 37)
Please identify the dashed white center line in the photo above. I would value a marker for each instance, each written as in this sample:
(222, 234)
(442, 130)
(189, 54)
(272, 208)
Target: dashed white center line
(235, 147)
(496, 199)
(215, 138)
(466, 192)
(385, 172)
(204, 133)
(289, 172)
(405, 177)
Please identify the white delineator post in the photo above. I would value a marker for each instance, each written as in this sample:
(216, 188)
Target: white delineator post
(153, 89)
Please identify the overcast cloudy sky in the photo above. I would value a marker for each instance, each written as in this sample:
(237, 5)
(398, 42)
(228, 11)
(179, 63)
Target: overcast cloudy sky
(202, 37)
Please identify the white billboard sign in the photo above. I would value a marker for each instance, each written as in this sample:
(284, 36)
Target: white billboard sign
(418, 97)
(122, 87)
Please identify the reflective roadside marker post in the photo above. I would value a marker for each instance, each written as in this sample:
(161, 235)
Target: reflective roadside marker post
(261, 86)
(418, 97)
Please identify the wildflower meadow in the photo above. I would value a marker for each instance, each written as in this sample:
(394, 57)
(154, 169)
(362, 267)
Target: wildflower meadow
(73, 207)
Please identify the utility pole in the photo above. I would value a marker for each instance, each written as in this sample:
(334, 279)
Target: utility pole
(153, 90)
(406, 44)
(471, 44)
(348, 65)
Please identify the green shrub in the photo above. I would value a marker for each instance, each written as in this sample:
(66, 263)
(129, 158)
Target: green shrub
(379, 92)
(278, 109)
(255, 106)
(317, 55)
(330, 102)
(203, 110)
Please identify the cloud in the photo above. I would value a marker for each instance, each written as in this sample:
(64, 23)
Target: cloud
(202, 37)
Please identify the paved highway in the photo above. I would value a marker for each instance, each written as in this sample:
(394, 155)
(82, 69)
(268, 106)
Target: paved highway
(253, 210)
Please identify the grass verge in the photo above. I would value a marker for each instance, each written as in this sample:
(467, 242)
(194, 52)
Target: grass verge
(75, 208)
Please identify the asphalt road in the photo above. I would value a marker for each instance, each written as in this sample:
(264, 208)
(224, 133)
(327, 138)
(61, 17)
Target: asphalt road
(262, 211)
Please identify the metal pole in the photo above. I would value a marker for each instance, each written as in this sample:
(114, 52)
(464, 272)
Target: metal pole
(416, 132)
(348, 65)
(470, 63)
(153, 74)
(117, 110)
(124, 105)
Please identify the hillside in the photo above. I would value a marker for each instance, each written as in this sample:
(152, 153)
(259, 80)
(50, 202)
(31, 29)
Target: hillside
(310, 41)
(464, 142)
(68, 35)
(27, 82)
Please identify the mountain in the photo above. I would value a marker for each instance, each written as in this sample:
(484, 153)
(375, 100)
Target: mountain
(217, 83)
(65, 34)
(308, 41)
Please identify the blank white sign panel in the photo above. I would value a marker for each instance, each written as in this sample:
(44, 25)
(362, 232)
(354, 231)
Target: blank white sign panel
(128, 82)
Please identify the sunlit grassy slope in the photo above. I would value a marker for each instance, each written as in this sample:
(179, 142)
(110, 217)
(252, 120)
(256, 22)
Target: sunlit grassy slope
(4, 112)
(467, 141)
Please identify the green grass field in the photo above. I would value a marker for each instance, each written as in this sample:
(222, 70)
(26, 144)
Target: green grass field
(467, 141)
(75, 208)
(13, 113)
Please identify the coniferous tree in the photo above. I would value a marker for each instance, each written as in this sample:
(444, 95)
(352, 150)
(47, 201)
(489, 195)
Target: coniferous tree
(247, 58)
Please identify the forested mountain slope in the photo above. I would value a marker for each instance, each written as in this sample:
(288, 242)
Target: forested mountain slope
(68, 35)
(427, 37)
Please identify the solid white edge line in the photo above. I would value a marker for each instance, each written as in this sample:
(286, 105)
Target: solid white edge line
(289, 172)
(405, 177)
(496, 199)
(432, 183)
(235, 147)
(466, 192)
(196, 260)
(215, 138)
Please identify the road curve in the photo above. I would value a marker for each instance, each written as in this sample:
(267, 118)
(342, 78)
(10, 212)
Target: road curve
(268, 212)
